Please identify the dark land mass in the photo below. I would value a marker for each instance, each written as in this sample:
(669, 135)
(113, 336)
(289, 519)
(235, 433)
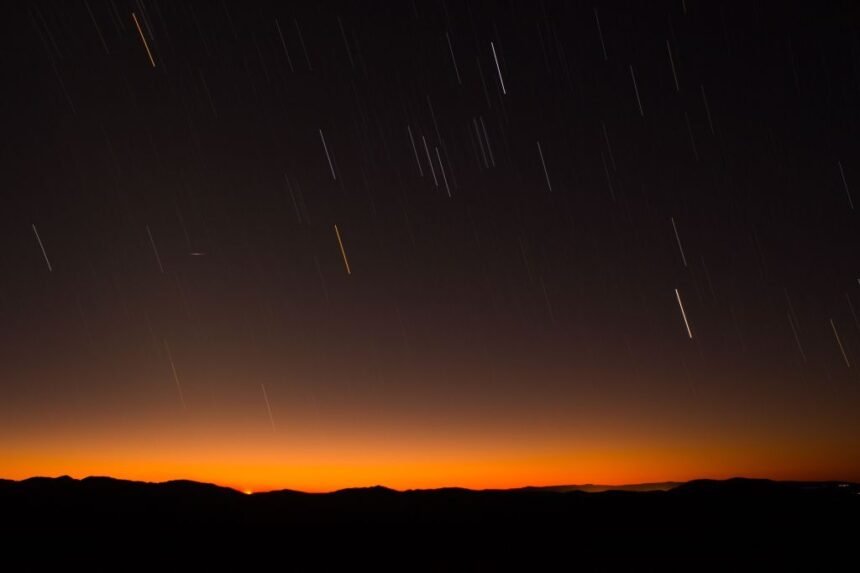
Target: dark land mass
(596, 488)
(739, 524)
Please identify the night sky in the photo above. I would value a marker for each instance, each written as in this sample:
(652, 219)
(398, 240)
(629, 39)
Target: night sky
(427, 243)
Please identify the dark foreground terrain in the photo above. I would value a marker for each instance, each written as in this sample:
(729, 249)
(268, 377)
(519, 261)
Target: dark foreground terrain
(737, 524)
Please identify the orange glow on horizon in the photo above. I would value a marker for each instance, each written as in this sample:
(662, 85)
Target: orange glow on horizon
(267, 468)
(367, 441)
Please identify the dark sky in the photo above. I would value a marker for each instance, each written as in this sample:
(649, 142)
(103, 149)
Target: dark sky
(174, 300)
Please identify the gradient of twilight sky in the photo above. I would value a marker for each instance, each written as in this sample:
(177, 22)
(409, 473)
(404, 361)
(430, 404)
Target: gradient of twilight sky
(174, 300)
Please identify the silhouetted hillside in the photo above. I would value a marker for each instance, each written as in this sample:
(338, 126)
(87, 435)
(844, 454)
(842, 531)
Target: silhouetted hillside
(596, 488)
(706, 518)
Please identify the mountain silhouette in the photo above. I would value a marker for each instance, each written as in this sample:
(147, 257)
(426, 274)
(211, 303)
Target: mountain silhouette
(623, 525)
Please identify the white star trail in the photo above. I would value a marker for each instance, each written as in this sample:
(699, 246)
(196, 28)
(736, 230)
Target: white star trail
(543, 164)
(678, 238)
(41, 246)
(498, 69)
(839, 342)
(154, 249)
(683, 314)
(143, 38)
(328, 157)
(175, 375)
(342, 250)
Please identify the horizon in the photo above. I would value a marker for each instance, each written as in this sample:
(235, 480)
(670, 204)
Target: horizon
(247, 490)
(603, 486)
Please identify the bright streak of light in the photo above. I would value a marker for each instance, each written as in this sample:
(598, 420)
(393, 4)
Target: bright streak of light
(684, 314)
(342, 251)
(498, 69)
(142, 37)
